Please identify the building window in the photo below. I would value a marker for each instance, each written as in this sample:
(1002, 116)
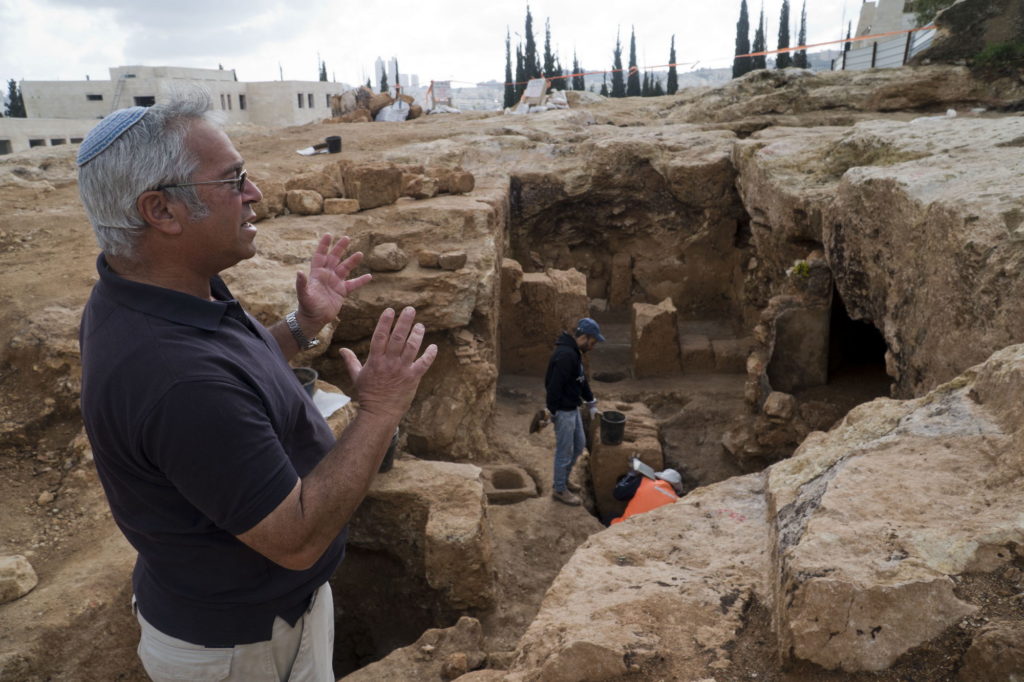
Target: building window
(310, 97)
(76, 140)
(222, 101)
(145, 101)
(37, 143)
(54, 141)
(301, 101)
(328, 102)
(229, 101)
(5, 147)
(241, 102)
(94, 98)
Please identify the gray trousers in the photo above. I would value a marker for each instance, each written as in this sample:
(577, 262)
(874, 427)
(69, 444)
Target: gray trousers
(295, 654)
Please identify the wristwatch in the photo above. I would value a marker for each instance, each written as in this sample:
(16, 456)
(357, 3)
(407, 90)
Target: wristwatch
(296, 330)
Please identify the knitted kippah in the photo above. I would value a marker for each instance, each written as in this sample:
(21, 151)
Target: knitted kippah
(108, 130)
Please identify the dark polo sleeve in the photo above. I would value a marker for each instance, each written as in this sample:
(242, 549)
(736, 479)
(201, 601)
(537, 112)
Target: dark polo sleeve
(214, 442)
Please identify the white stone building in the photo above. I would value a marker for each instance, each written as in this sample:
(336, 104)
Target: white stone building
(882, 16)
(62, 112)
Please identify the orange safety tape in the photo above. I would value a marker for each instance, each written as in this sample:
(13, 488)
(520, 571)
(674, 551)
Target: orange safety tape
(752, 54)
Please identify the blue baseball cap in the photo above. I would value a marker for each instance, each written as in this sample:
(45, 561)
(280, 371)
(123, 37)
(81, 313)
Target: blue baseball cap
(108, 130)
(589, 327)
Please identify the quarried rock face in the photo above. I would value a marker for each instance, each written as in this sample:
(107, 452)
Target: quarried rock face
(452, 547)
(536, 308)
(931, 249)
(876, 521)
(661, 595)
(868, 543)
(440, 654)
(646, 218)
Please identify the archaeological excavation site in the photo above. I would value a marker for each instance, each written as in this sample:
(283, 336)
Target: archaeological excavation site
(811, 289)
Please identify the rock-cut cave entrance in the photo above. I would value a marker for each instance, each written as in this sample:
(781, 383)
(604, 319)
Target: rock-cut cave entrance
(856, 352)
(854, 368)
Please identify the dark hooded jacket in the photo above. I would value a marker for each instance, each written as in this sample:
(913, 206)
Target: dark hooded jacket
(565, 381)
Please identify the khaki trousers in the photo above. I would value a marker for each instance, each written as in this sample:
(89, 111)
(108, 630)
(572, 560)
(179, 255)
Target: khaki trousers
(292, 654)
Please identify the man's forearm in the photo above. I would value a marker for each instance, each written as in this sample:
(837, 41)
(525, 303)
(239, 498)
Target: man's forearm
(333, 491)
(298, 532)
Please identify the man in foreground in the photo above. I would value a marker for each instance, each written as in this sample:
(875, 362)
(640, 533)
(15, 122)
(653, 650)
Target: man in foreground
(218, 467)
(567, 388)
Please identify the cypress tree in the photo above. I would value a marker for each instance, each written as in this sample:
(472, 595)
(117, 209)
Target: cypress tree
(531, 63)
(633, 83)
(384, 82)
(673, 79)
(783, 59)
(657, 91)
(561, 83)
(618, 83)
(549, 57)
(849, 33)
(323, 71)
(369, 85)
(645, 85)
(742, 65)
(398, 79)
(520, 73)
(15, 102)
(604, 87)
(578, 82)
(800, 60)
(759, 45)
(510, 88)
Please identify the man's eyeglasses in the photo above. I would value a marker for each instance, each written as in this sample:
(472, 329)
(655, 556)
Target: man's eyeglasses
(239, 182)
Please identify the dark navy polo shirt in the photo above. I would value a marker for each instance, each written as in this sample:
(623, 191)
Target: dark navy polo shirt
(199, 429)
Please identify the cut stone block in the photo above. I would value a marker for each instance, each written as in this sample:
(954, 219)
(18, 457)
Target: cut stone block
(655, 343)
(507, 484)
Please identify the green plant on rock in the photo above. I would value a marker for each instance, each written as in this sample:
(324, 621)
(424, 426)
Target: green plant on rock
(800, 270)
(1000, 55)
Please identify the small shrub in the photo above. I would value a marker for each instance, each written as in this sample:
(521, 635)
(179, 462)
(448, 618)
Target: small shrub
(1000, 56)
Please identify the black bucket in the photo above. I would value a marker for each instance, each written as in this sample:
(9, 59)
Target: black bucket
(333, 144)
(613, 425)
(307, 377)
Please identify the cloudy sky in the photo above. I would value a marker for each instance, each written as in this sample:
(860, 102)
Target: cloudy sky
(460, 40)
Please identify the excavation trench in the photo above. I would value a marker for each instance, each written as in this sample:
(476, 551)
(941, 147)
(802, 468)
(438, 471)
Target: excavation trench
(666, 279)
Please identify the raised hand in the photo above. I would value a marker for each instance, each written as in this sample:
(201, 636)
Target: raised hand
(322, 292)
(387, 383)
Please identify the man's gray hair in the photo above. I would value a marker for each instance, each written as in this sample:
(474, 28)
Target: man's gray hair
(152, 152)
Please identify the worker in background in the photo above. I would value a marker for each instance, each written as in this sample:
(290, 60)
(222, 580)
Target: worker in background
(567, 388)
(645, 494)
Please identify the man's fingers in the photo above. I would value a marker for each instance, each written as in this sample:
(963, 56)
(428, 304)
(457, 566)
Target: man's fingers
(356, 282)
(379, 340)
(340, 246)
(352, 363)
(424, 361)
(324, 245)
(412, 343)
(401, 331)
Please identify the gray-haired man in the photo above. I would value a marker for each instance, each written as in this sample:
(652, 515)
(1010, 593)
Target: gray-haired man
(217, 466)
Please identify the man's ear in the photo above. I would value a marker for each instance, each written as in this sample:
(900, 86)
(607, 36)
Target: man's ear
(158, 213)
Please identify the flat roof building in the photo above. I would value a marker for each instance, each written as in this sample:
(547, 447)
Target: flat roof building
(71, 105)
